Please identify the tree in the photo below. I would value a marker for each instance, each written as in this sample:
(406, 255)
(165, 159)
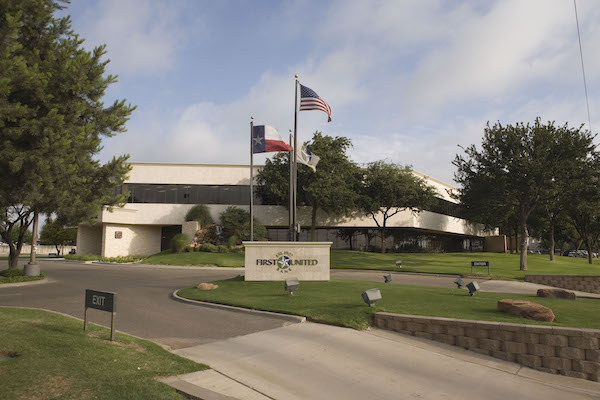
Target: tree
(236, 223)
(331, 189)
(518, 169)
(52, 120)
(27, 238)
(388, 189)
(54, 233)
(199, 213)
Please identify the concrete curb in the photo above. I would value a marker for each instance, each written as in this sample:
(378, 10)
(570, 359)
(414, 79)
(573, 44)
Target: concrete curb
(268, 314)
(394, 272)
(19, 284)
(193, 392)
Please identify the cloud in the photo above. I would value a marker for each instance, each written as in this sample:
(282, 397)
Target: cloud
(142, 37)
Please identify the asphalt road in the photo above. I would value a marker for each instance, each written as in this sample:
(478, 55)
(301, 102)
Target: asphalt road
(144, 305)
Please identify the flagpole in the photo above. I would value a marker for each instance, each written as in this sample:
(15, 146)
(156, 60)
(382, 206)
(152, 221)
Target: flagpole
(291, 211)
(251, 179)
(295, 171)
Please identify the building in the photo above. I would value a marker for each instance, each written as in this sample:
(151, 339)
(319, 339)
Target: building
(161, 194)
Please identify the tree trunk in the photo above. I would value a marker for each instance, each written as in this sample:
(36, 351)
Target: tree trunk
(313, 224)
(552, 243)
(524, 237)
(13, 257)
(590, 256)
(350, 240)
(383, 239)
(34, 238)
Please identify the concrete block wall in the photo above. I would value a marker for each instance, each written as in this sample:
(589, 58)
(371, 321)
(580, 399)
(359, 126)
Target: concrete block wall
(583, 283)
(134, 240)
(565, 351)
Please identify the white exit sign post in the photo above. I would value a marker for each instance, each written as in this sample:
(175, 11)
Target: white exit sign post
(103, 301)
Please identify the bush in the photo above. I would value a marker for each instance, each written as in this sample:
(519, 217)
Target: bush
(122, 259)
(199, 213)
(208, 247)
(236, 223)
(222, 249)
(232, 241)
(179, 242)
(81, 257)
(9, 273)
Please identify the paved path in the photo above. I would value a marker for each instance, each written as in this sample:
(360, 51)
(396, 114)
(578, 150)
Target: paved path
(447, 281)
(144, 306)
(314, 361)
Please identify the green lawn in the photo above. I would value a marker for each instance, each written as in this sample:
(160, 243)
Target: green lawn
(339, 302)
(17, 275)
(197, 258)
(56, 359)
(502, 266)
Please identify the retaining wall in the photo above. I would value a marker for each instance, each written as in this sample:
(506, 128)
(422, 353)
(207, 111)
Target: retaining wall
(565, 351)
(583, 283)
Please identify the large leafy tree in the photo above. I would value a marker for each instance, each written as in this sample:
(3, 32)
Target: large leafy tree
(331, 189)
(388, 189)
(56, 234)
(518, 169)
(52, 120)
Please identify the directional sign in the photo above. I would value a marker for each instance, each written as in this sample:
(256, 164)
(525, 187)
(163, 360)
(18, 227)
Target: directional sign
(103, 301)
(480, 264)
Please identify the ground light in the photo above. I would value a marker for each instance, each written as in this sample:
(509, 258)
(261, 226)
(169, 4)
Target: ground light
(459, 282)
(291, 285)
(473, 287)
(371, 296)
(387, 278)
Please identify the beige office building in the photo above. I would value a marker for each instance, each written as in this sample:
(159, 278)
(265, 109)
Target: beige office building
(161, 194)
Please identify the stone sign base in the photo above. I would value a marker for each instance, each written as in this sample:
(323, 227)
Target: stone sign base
(278, 261)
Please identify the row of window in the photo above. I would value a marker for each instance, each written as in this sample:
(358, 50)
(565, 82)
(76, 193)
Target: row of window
(224, 194)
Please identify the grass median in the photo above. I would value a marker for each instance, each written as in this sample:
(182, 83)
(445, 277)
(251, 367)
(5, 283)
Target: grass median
(44, 355)
(339, 302)
(16, 276)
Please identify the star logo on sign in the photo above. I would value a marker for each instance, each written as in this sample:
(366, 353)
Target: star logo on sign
(258, 140)
(283, 262)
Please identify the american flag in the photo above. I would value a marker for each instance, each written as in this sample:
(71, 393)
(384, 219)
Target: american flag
(309, 100)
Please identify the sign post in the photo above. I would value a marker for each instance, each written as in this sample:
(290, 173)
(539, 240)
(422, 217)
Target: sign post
(103, 301)
(480, 264)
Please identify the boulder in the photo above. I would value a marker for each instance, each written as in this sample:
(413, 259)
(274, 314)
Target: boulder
(206, 286)
(556, 293)
(526, 309)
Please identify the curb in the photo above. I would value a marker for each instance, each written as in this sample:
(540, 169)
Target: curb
(19, 284)
(268, 314)
(193, 392)
(394, 272)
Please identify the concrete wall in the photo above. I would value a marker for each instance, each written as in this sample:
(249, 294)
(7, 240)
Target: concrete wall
(583, 283)
(42, 249)
(89, 239)
(565, 351)
(135, 240)
(190, 228)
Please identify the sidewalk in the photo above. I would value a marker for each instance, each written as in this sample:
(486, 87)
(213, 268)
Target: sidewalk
(314, 361)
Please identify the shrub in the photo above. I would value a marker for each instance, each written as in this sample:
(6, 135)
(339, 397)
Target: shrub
(199, 213)
(208, 247)
(179, 242)
(222, 249)
(9, 273)
(188, 249)
(236, 223)
(122, 259)
(232, 241)
(82, 257)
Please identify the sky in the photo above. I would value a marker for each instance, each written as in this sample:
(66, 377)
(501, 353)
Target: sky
(408, 81)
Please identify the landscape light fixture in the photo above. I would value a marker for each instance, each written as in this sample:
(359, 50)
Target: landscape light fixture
(399, 263)
(459, 282)
(291, 285)
(473, 287)
(371, 296)
(387, 278)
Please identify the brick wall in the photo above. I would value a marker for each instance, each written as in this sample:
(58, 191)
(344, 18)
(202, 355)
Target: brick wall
(584, 283)
(565, 351)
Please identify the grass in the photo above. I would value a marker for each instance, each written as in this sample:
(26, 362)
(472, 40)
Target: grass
(197, 258)
(17, 275)
(502, 266)
(339, 302)
(57, 359)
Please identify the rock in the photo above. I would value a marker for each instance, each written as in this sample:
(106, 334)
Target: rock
(206, 286)
(526, 309)
(556, 293)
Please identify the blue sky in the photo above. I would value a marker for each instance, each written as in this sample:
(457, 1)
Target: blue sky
(407, 81)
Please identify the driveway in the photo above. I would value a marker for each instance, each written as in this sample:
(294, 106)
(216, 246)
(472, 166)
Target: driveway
(144, 306)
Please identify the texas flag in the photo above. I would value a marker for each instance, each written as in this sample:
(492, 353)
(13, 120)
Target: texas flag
(266, 139)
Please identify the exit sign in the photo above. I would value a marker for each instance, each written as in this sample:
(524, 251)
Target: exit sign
(104, 301)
